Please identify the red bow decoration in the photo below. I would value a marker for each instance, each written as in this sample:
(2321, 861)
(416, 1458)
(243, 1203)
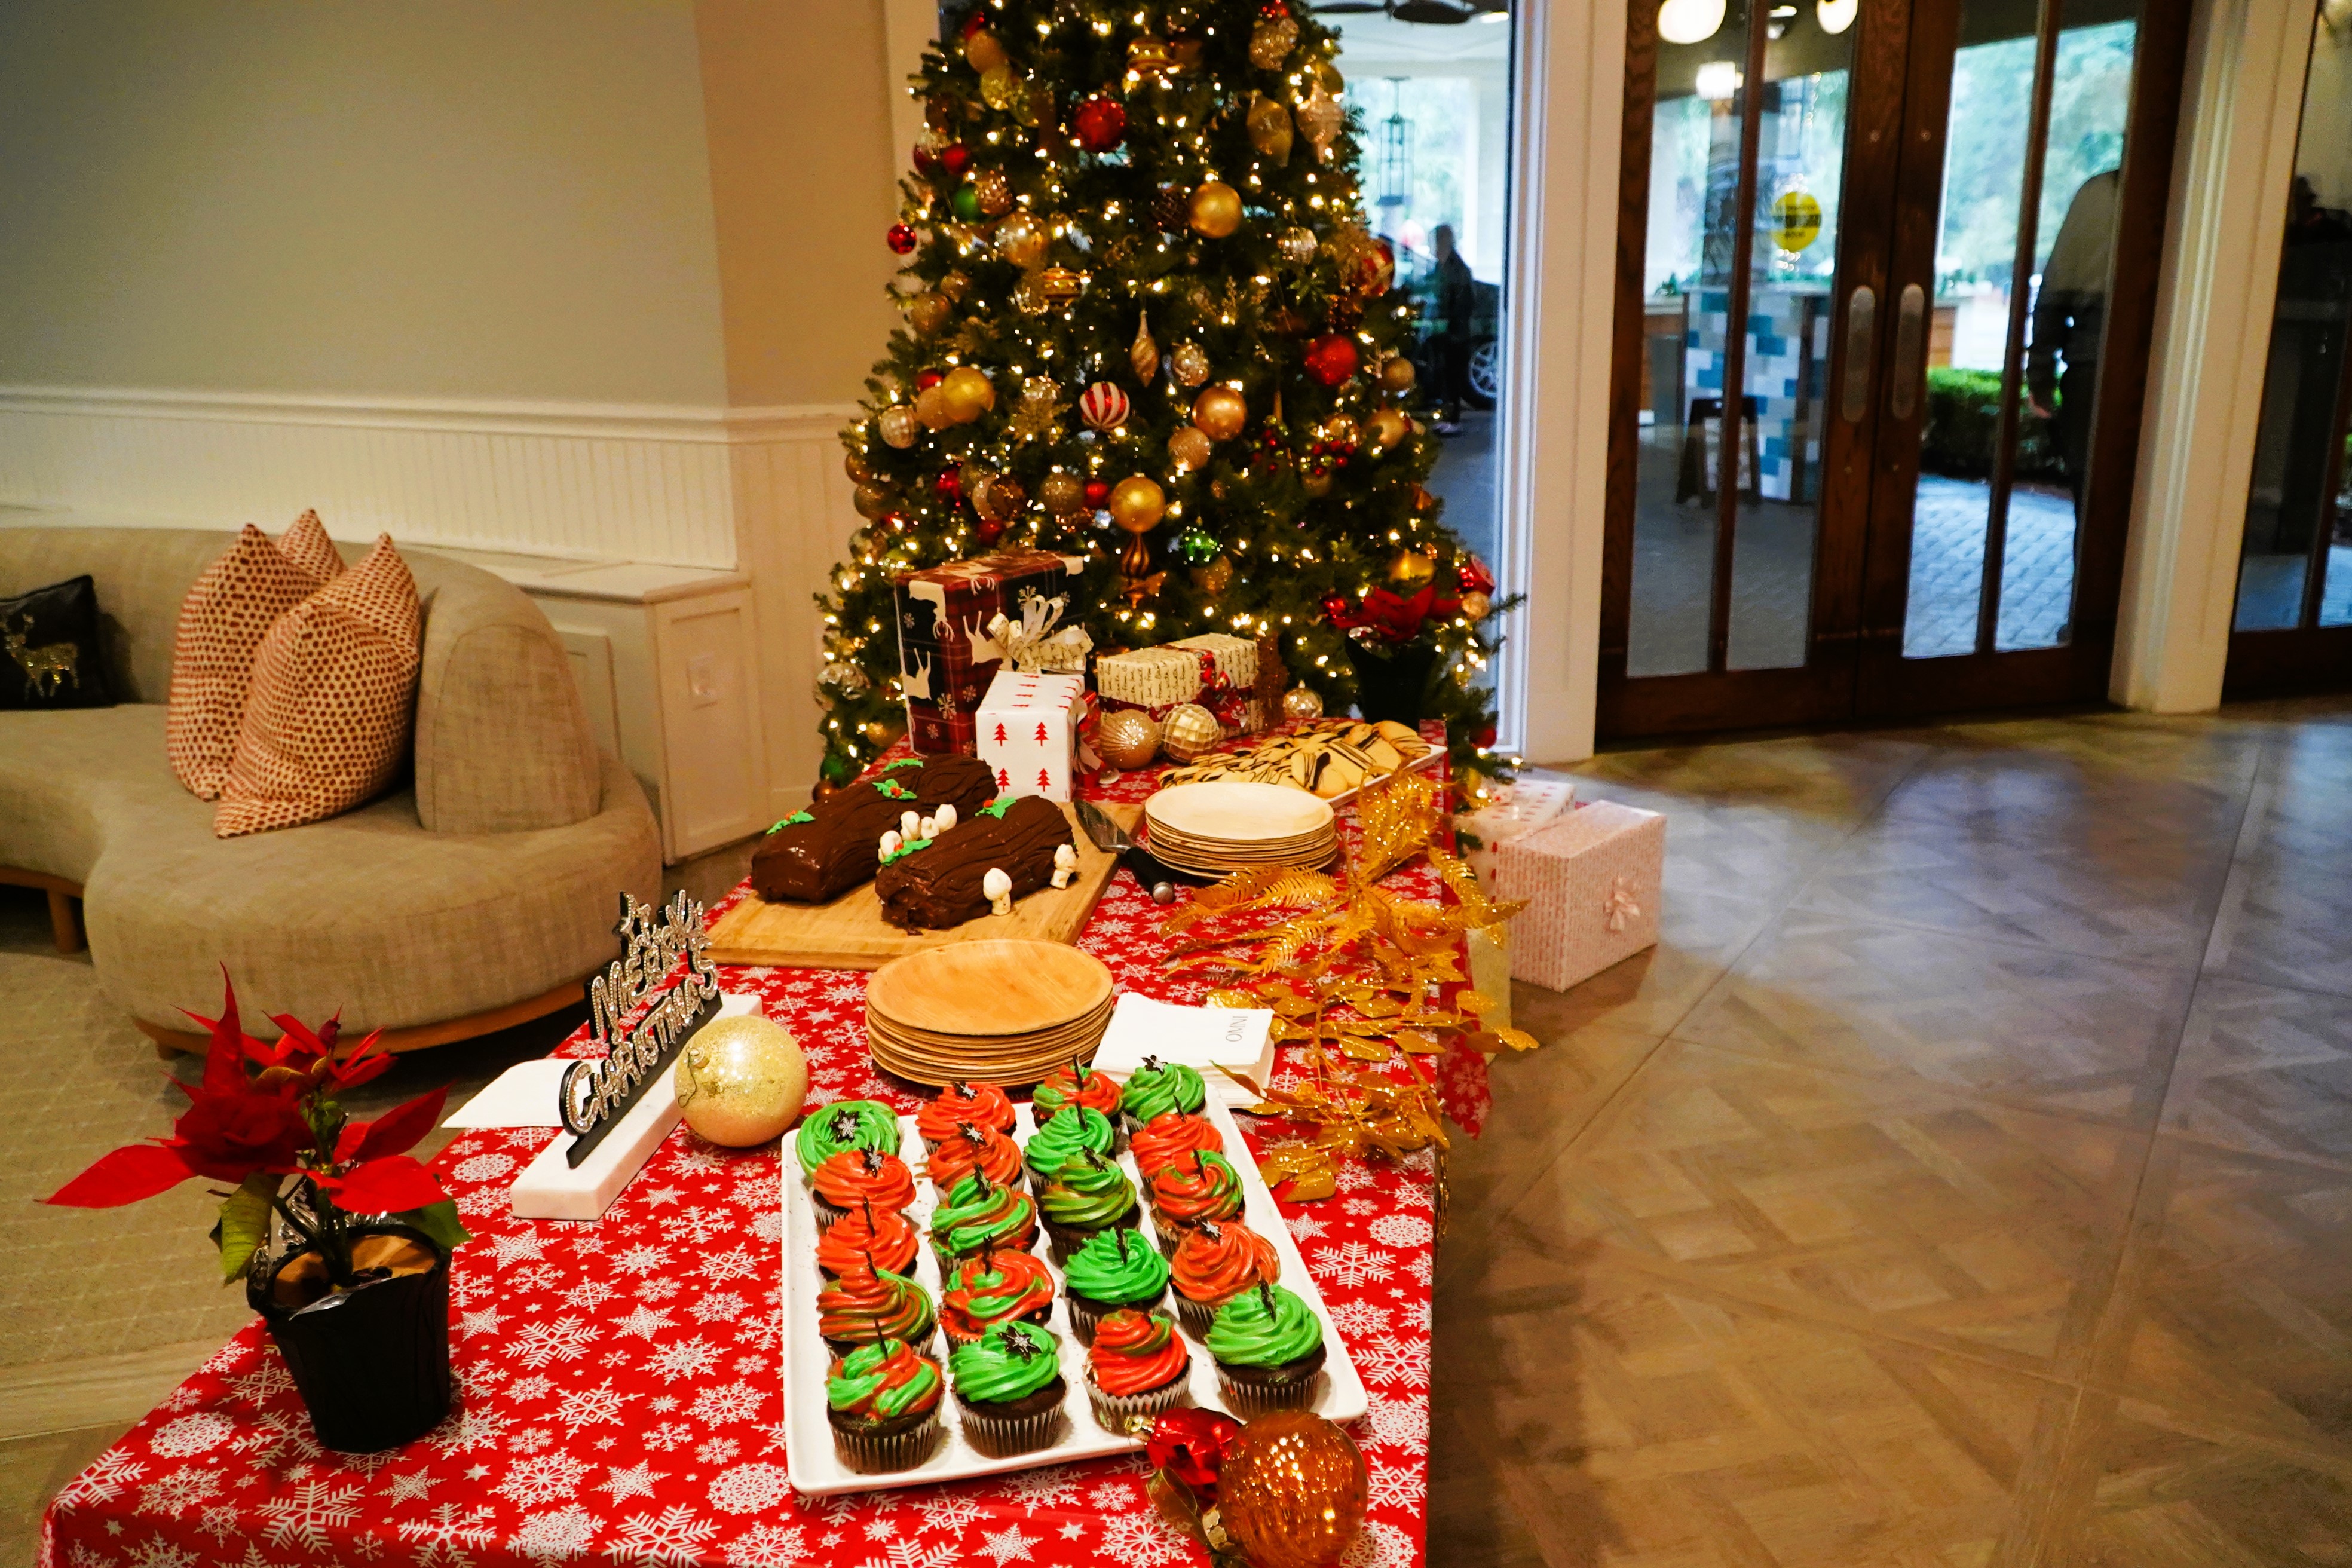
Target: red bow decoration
(1397, 618)
(1191, 1444)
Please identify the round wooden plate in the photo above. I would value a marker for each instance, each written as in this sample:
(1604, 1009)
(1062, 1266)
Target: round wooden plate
(1238, 812)
(1002, 985)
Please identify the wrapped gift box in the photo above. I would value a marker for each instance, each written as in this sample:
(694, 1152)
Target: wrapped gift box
(1516, 810)
(947, 654)
(1219, 671)
(1027, 730)
(1592, 881)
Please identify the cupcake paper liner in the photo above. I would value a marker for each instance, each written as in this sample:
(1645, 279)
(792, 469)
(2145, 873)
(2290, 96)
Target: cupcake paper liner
(1112, 1410)
(870, 1455)
(1194, 1317)
(999, 1436)
(1249, 1400)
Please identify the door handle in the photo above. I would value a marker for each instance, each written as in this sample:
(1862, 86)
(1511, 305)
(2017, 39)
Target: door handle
(1861, 322)
(1910, 348)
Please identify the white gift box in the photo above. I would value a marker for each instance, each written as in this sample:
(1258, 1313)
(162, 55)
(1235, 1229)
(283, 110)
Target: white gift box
(1026, 729)
(1517, 809)
(1592, 882)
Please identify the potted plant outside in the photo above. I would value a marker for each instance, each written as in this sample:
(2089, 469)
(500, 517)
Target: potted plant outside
(357, 1298)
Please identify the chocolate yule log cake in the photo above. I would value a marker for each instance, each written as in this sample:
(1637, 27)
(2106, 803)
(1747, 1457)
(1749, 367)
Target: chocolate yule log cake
(831, 844)
(989, 858)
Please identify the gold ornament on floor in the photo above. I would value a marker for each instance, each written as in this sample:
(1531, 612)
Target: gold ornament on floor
(1319, 116)
(1215, 210)
(1144, 357)
(741, 1081)
(1409, 570)
(1189, 448)
(1269, 131)
(1189, 364)
(1293, 1492)
(897, 425)
(1477, 606)
(1188, 730)
(1302, 702)
(1127, 739)
(1220, 412)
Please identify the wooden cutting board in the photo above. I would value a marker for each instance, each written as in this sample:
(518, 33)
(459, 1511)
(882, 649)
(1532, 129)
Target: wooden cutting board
(850, 932)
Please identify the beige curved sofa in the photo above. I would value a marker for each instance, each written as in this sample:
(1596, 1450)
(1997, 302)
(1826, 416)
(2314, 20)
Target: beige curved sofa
(477, 895)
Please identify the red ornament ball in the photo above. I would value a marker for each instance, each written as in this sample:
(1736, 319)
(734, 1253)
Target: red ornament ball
(987, 531)
(955, 157)
(1098, 493)
(927, 379)
(901, 238)
(1336, 606)
(1099, 124)
(1483, 738)
(1332, 360)
(950, 484)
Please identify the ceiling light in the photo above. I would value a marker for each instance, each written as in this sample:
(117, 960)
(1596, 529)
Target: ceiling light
(1835, 15)
(1690, 21)
(1717, 80)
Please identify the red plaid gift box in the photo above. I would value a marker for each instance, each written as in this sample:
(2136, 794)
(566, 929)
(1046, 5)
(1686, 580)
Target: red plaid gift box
(947, 654)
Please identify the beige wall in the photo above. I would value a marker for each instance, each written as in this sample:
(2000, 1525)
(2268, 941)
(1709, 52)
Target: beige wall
(432, 198)
(797, 101)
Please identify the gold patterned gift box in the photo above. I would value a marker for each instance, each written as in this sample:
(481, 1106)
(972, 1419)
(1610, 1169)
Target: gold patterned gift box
(1216, 670)
(1592, 882)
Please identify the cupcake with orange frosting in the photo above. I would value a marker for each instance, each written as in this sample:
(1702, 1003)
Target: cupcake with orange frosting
(867, 1237)
(1136, 1366)
(992, 1288)
(972, 1147)
(1194, 1191)
(1170, 1137)
(882, 1401)
(855, 1177)
(1079, 1084)
(1217, 1261)
(982, 1104)
(870, 1304)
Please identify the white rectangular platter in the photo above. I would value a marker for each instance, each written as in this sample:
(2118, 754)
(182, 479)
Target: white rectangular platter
(815, 1467)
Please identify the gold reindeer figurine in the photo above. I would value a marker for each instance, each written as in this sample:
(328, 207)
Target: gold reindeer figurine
(47, 668)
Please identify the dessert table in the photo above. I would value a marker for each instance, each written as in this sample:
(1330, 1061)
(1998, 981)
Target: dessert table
(619, 1388)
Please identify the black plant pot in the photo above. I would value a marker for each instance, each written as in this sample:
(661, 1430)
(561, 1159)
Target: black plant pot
(373, 1364)
(1391, 686)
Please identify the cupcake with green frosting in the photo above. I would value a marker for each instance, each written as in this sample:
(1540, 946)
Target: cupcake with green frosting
(1269, 1352)
(1089, 1194)
(1063, 1134)
(1008, 1384)
(1114, 1270)
(845, 1124)
(882, 1401)
(1157, 1088)
(867, 1306)
(977, 1214)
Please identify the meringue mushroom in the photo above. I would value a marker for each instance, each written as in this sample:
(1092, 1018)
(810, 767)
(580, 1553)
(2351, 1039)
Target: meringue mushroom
(998, 889)
(929, 827)
(944, 818)
(891, 842)
(910, 824)
(1065, 864)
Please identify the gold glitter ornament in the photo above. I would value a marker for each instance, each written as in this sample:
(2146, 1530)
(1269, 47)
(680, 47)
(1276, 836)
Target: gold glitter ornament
(1319, 116)
(955, 285)
(1293, 1491)
(1215, 577)
(1188, 730)
(1477, 606)
(1061, 285)
(1020, 240)
(1144, 357)
(1302, 702)
(928, 312)
(983, 53)
(1189, 364)
(994, 192)
(1215, 210)
(931, 408)
(870, 499)
(1029, 296)
(1062, 493)
(741, 1081)
(897, 425)
(1268, 122)
(1040, 406)
(1127, 739)
(1189, 448)
(999, 85)
(1271, 41)
(1397, 374)
(1297, 246)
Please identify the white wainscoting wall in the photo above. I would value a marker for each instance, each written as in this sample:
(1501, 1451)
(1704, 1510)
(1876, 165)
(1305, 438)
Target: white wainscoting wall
(759, 490)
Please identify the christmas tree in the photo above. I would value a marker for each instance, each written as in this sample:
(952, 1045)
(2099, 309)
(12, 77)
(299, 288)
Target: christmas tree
(1145, 323)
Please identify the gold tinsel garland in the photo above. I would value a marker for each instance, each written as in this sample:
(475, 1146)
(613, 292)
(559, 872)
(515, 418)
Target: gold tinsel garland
(1355, 974)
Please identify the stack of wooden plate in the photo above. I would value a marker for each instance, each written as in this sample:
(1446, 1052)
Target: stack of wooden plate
(1224, 826)
(1005, 1011)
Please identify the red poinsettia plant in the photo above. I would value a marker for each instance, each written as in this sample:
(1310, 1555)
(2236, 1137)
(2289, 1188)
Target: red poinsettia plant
(265, 1121)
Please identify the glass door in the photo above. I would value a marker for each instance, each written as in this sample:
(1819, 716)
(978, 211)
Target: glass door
(1897, 487)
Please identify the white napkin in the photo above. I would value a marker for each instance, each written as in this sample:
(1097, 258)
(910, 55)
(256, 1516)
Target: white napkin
(1203, 1039)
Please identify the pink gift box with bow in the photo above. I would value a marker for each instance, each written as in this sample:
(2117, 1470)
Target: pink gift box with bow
(1592, 882)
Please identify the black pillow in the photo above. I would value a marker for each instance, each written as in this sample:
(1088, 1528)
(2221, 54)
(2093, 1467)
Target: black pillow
(49, 649)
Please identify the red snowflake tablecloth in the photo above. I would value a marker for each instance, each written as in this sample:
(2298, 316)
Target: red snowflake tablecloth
(619, 1384)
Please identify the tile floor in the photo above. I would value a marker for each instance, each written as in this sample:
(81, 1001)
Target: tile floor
(1965, 1179)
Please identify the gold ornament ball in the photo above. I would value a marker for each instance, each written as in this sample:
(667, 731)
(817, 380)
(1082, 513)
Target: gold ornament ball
(929, 312)
(1188, 730)
(1020, 240)
(983, 53)
(1000, 498)
(1220, 412)
(1189, 364)
(1297, 246)
(897, 425)
(1137, 504)
(998, 84)
(1397, 374)
(741, 1081)
(1302, 702)
(994, 191)
(932, 407)
(878, 731)
(1215, 210)
(968, 393)
(955, 285)
(870, 499)
(1270, 130)
(1293, 1491)
(1215, 577)
(1386, 427)
(1062, 493)
(1127, 739)
(1477, 606)
(1411, 570)
(1190, 448)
